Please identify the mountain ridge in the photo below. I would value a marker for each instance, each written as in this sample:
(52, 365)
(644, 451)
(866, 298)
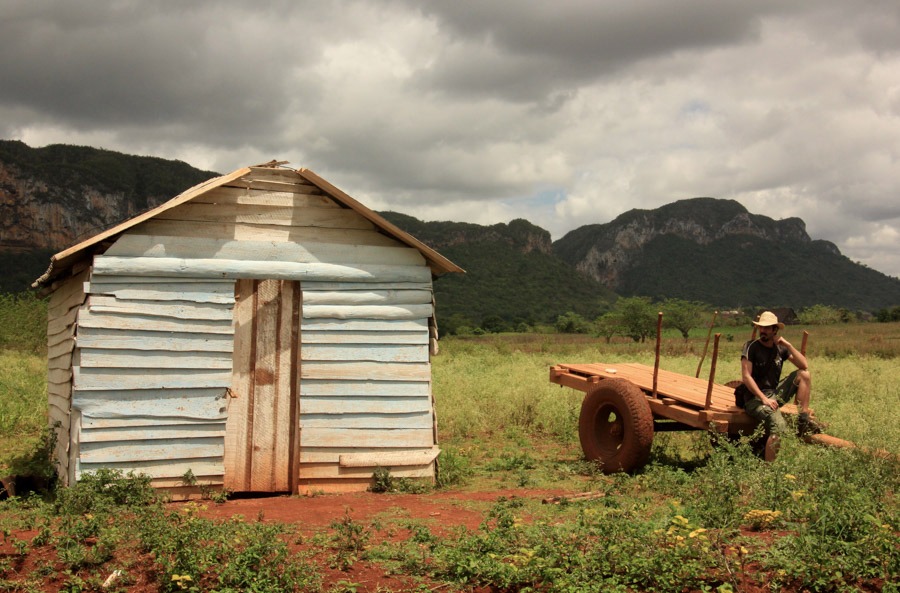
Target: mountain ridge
(705, 248)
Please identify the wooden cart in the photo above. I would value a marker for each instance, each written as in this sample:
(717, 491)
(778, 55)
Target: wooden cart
(625, 404)
(621, 410)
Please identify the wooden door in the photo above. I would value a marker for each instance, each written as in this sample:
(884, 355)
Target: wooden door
(262, 443)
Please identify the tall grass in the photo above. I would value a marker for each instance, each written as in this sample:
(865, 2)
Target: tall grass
(23, 404)
(23, 322)
(487, 385)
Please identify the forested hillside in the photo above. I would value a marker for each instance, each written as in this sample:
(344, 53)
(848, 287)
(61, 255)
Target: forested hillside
(702, 249)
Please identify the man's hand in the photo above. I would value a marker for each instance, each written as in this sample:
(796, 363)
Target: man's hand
(780, 340)
(768, 401)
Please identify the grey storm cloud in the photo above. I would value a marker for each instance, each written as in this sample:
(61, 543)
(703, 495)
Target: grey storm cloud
(565, 113)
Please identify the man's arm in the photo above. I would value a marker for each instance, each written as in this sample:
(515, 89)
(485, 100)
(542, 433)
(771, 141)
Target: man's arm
(795, 355)
(747, 378)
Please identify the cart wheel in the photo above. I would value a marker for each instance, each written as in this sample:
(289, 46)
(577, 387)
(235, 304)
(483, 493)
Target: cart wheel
(616, 426)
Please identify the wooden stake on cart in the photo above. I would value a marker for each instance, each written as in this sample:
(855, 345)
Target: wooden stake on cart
(658, 340)
(803, 343)
(706, 346)
(712, 371)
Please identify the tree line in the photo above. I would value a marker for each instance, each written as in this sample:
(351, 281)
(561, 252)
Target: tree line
(636, 318)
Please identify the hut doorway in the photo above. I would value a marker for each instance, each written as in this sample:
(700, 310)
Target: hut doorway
(262, 440)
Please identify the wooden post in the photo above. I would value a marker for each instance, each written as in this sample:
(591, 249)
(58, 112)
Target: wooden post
(712, 371)
(803, 343)
(658, 340)
(706, 346)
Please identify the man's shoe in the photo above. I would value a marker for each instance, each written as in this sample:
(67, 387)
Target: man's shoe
(807, 425)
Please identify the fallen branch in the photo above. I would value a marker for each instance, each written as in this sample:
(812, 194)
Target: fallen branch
(574, 497)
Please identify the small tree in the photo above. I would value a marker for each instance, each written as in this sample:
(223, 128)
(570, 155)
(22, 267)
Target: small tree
(608, 325)
(683, 315)
(571, 323)
(494, 324)
(820, 315)
(638, 317)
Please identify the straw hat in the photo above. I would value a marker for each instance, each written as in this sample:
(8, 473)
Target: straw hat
(768, 318)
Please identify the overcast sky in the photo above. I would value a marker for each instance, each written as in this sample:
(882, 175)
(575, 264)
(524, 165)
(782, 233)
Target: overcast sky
(565, 113)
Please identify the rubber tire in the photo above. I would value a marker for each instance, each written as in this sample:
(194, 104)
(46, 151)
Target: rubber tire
(616, 426)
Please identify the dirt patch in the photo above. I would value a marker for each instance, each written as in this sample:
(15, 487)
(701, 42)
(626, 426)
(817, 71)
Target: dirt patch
(448, 509)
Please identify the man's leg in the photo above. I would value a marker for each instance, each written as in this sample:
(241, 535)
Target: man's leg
(772, 421)
(798, 383)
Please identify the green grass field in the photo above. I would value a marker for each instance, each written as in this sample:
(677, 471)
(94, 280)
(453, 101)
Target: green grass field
(697, 518)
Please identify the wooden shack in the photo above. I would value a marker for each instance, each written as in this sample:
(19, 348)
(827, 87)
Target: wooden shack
(263, 332)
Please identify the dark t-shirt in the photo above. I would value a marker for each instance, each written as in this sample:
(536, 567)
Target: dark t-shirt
(766, 363)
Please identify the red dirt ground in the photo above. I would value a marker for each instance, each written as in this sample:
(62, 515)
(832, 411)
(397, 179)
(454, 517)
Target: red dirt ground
(443, 511)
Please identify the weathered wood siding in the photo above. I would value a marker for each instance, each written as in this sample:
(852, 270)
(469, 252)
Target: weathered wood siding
(156, 336)
(365, 387)
(153, 365)
(62, 315)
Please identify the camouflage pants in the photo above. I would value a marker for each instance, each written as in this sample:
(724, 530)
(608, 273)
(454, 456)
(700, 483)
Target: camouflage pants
(771, 419)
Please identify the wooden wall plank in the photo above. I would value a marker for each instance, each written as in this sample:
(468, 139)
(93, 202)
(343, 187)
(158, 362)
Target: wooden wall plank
(89, 337)
(279, 196)
(104, 358)
(58, 410)
(264, 232)
(61, 361)
(364, 405)
(61, 322)
(116, 379)
(332, 218)
(367, 352)
(237, 441)
(137, 451)
(265, 391)
(67, 295)
(378, 325)
(351, 437)
(276, 270)
(67, 333)
(275, 186)
(136, 245)
(370, 297)
(158, 324)
(162, 469)
(163, 292)
(285, 406)
(355, 388)
(368, 312)
(203, 311)
(333, 454)
(122, 435)
(59, 375)
(312, 486)
(402, 421)
(315, 471)
(63, 390)
(368, 371)
(142, 422)
(115, 281)
(61, 348)
(177, 491)
(420, 458)
(313, 285)
(198, 404)
(311, 338)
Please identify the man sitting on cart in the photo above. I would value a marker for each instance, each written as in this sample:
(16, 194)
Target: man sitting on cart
(763, 391)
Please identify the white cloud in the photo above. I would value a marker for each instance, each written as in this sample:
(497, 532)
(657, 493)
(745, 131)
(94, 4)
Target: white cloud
(563, 113)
